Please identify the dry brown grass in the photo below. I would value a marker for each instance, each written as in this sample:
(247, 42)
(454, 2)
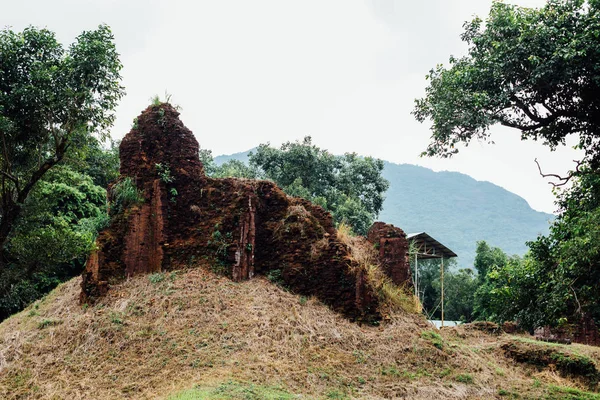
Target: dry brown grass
(147, 340)
(393, 298)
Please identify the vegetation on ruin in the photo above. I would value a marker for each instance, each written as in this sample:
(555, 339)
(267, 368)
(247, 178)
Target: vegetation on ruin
(194, 333)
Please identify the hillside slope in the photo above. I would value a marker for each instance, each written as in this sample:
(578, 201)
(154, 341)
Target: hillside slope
(455, 209)
(459, 210)
(155, 336)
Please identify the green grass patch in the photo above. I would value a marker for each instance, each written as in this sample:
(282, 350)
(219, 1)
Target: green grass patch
(233, 390)
(434, 338)
(156, 278)
(335, 394)
(566, 393)
(464, 378)
(45, 323)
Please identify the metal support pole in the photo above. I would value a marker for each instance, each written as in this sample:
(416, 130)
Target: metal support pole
(442, 281)
(417, 276)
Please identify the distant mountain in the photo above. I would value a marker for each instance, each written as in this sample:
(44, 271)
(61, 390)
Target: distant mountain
(243, 156)
(458, 211)
(455, 209)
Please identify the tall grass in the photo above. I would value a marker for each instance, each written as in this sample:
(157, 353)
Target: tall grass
(364, 257)
(125, 194)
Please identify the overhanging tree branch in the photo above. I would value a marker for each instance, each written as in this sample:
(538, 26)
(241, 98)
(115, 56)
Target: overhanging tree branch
(563, 180)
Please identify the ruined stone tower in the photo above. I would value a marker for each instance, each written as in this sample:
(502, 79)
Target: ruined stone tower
(237, 227)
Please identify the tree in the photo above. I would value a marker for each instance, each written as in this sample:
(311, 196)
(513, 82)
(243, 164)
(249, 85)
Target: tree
(52, 237)
(486, 258)
(567, 259)
(459, 292)
(513, 292)
(349, 186)
(52, 101)
(536, 70)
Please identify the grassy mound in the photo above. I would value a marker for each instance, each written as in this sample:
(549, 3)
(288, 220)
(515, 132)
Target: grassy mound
(558, 357)
(195, 335)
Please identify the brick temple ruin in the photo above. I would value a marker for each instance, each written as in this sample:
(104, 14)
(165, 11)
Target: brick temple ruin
(241, 227)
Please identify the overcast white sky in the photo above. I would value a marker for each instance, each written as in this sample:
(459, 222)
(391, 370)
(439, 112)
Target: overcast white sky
(345, 72)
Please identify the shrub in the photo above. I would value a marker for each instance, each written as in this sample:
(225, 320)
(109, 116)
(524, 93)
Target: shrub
(125, 194)
(464, 378)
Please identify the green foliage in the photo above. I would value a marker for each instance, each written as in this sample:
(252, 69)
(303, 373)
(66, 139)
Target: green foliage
(125, 194)
(530, 69)
(45, 323)
(459, 293)
(51, 101)
(566, 260)
(233, 390)
(434, 338)
(99, 163)
(459, 288)
(206, 157)
(235, 169)
(164, 173)
(509, 292)
(487, 258)
(156, 278)
(557, 282)
(231, 169)
(275, 276)
(567, 393)
(349, 186)
(535, 70)
(336, 394)
(464, 378)
(220, 242)
(52, 237)
(116, 318)
(59, 220)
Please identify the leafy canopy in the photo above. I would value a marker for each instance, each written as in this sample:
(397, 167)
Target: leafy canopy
(52, 101)
(536, 70)
(52, 237)
(349, 186)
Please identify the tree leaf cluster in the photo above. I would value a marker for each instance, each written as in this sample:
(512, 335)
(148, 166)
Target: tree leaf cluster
(52, 100)
(52, 237)
(536, 70)
(351, 187)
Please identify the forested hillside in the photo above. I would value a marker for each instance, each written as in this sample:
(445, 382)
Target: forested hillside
(454, 208)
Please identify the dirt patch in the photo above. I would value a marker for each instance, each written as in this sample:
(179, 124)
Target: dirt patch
(483, 326)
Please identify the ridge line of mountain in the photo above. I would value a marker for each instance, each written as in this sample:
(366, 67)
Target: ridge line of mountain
(455, 208)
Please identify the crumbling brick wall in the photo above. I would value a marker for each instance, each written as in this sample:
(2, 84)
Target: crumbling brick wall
(584, 331)
(239, 227)
(392, 247)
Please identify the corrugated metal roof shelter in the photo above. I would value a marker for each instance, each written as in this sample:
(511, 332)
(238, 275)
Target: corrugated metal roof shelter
(427, 247)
